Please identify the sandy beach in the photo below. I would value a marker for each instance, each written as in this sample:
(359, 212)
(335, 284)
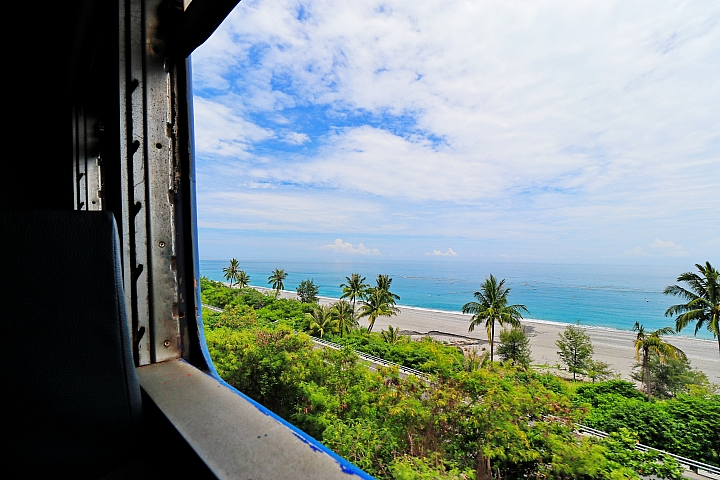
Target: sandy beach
(614, 347)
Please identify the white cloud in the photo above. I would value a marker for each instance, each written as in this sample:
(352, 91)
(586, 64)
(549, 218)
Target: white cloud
(221, 131)
(523, 97)
(281, 210)
(438, 253)
(561, 126)
(296, 138)
(347, 247)
(669, 248)
(376, 161)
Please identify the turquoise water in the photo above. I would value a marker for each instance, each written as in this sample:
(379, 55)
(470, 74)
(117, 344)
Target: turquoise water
(609, 296)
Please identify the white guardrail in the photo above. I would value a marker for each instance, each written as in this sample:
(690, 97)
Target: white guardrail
(364, 356)
(374, 359)
(703, 469)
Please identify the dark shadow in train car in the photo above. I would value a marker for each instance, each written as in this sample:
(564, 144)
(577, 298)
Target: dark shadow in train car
(73, 402)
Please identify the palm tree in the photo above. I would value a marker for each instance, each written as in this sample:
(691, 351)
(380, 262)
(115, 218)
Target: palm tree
(322, 320)
(492, 306)
(378, 303)
(276, 280)
(354, 289)
(232, 272)
(243, 279)
(647, 344)
(383, 282)
(345, 315)
(392, 335)
(703, 296)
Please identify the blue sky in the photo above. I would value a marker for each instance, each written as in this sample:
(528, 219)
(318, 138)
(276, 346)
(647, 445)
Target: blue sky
(543, 131)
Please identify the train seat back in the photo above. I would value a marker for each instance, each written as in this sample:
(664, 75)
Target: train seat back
(71, 392)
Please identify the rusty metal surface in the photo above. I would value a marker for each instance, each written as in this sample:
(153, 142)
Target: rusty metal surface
(149, 183)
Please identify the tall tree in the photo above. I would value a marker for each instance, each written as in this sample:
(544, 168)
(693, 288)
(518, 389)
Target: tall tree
(384, 282)
(576, 349)
(232, 272)
(377, 303)
(307, 291)
(276, 280)
(598, 370)
(515, 346)
(647, 344)
(354, 289)
(322, 320)
(243, 279)
(673, 378)
(345, 315)
(703, 300)
(492, 306)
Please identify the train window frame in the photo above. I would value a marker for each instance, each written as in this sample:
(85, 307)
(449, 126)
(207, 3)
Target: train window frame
(134, 156)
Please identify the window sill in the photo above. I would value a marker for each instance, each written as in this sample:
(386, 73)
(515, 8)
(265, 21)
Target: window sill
(233, 435)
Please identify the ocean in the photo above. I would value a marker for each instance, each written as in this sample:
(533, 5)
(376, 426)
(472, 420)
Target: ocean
(611, 296)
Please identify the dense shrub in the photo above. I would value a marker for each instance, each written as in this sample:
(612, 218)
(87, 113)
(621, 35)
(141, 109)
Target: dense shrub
(426, 355)
(687, 425)
(517, 423)
(591, 393)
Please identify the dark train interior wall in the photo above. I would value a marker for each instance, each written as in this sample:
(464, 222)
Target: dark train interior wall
(63, 63)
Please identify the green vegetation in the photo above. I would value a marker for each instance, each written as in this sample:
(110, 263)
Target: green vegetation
(307, 291)
(426, 355)
(232, 272)
(647, 344)
(673, 377)
(515, 346)
(345, 314)
(492, 306)
(354, 289)
(474, 420)
(703, 300)
(322, 320)
(266, 307)
(576, 350)
(276, 280)
(379, 301)
(597, 370)
(243, 279)
(686, 425)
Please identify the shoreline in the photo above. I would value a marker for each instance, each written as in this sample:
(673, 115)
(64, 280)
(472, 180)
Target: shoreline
(537, 320)
(611, 345)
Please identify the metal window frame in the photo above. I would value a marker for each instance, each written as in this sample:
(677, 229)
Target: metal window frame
(158, 224)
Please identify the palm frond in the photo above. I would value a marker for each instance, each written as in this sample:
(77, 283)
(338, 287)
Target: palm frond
(679, 291)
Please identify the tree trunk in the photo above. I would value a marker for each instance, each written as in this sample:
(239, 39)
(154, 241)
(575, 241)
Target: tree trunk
(646, 367)
(483, 471)
(492, 338)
